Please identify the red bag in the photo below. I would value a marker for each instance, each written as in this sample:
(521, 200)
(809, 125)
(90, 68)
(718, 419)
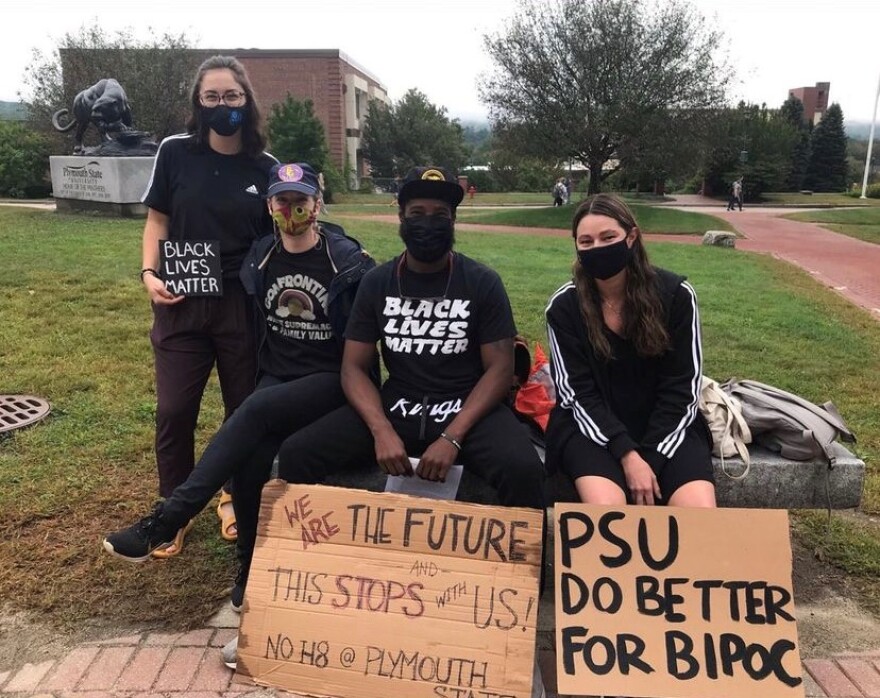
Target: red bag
(537, 396)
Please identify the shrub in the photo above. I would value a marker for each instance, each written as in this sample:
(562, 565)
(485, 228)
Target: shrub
(24, 162)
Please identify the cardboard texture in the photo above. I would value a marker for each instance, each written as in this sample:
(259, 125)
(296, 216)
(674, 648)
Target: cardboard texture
(364, 595)
(675, 603)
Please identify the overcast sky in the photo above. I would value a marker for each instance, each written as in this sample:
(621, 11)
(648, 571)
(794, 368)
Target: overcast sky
(437, 46)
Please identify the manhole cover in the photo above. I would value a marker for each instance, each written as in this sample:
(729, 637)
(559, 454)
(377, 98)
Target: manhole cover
(17, 411)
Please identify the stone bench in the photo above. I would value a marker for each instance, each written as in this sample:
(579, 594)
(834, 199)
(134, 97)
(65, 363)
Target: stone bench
(773, 482)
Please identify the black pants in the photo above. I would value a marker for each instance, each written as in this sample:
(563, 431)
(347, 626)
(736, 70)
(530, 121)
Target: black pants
(245, 447)
(497, 449)
(188, 339)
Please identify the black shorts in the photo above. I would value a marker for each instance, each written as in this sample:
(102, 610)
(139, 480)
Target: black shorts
(692, 461)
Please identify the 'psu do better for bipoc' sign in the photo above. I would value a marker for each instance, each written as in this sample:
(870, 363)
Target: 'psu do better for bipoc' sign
(675, 603)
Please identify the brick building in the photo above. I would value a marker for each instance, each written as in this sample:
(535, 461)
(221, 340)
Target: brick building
(814, 99)
(339, 88)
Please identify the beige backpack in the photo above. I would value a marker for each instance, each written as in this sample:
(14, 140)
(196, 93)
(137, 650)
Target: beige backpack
(730, 433)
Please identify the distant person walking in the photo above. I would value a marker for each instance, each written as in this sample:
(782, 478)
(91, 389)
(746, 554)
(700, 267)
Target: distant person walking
(736, 195)
(559, 192)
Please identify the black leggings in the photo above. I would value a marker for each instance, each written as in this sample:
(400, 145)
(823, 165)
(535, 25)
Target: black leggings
(245, 447)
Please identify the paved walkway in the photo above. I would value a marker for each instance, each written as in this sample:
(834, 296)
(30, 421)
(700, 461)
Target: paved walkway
(188, 665)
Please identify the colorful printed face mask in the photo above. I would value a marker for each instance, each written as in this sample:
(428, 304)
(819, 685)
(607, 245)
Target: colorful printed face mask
(294, 220)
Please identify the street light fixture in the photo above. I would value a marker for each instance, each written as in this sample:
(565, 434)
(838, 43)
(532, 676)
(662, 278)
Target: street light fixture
(870, 144)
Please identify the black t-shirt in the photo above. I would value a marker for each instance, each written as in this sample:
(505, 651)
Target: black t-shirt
(210, 196)
(432, 325)
(299, 339)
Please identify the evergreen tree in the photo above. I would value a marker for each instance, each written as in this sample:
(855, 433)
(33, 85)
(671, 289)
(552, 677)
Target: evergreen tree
(297, 135)
(827, 170)
(792, 111)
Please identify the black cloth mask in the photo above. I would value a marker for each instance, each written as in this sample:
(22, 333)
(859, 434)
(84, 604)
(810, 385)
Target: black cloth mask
(223, 120)
(605, 261)
(427, 238)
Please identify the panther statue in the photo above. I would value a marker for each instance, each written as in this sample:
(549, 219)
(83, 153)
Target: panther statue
(104, 104)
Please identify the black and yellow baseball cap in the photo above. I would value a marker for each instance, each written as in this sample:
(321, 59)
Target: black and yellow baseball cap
(430, 183)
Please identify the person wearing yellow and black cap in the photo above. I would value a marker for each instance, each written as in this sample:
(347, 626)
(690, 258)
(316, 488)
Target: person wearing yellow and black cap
(303, 282)
(446, 332)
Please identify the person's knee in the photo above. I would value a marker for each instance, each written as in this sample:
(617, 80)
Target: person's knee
(695, 494)
(177, 410)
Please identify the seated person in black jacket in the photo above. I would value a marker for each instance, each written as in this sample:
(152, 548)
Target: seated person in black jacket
(627, 364)
(303, 281)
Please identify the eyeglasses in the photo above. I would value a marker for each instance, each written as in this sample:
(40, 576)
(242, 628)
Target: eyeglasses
(430, 299)
(231, 98)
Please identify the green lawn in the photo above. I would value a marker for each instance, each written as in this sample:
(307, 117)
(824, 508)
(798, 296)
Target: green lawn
(824, 199)
(75, 330)
(651, 219)
(861, 223)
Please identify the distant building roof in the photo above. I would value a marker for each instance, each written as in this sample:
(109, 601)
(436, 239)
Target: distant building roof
(13, 111)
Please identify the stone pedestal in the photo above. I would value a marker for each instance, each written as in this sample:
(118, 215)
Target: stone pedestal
(99, 184)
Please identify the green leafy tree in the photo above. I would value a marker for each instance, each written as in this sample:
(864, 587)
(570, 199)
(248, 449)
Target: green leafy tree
(156, 74)
(24, 161)
(828, 167)
(792, 111)
(412, 132)
(585, 79)
(297, 135)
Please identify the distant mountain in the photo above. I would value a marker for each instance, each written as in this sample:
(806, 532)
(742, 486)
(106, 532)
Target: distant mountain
(860, 130)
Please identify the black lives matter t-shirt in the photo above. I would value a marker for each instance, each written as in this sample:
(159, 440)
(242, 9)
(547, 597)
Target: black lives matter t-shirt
(210, 196)
(299, 339)
(432, 325)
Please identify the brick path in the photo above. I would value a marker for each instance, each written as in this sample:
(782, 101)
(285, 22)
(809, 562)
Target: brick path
(844, 264)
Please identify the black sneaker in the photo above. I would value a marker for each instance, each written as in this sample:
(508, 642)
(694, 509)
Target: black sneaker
(236, 598)
(137, 542)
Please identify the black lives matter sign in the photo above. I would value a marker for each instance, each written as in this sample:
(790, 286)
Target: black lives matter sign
(191, 267)
(675, 603)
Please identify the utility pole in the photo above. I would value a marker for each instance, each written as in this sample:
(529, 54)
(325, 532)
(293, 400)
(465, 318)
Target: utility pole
(870, 144)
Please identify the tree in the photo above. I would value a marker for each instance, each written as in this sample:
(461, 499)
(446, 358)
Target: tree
(297, 135)
(792, 111)
(827, 170)
(24, 160)
(411, 132)
(156, 74)
(586, 78)
(752, 142)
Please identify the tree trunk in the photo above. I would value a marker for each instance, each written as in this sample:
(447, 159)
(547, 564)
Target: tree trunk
(595, 177)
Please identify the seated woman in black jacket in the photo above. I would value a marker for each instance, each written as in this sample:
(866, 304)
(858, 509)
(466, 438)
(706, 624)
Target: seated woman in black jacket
(627, 364)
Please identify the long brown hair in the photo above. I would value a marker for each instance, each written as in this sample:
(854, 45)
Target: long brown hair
(253, 141)
(643, 308)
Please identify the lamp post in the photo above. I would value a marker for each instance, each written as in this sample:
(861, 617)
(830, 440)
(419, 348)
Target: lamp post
(870, 144)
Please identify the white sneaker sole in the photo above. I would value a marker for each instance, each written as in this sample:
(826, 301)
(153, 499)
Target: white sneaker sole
(108, 546)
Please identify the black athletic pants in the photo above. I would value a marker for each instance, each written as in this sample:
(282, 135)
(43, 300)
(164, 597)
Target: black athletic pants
(497, 449)
(245, 447)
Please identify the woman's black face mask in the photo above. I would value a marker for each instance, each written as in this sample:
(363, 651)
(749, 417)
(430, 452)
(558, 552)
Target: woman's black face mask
(605, 261)
(427, 238)
(223, 120)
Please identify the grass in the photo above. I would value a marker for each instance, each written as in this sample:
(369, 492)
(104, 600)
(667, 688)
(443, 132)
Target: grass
(861, 223)
(823, 199)
(75, 330)
(652, 219)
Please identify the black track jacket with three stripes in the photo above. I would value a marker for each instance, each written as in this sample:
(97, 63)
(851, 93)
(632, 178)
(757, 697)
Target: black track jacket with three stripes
(628, 403)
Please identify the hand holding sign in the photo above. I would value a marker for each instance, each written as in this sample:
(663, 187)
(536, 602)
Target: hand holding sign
(159, 295)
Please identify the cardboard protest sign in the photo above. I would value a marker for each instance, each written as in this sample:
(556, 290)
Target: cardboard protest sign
(364, 595)
(675, 603)
(191, 267)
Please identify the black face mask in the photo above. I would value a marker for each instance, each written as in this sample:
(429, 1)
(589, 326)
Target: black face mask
(223, 120)
(427, 238)
(606, 261)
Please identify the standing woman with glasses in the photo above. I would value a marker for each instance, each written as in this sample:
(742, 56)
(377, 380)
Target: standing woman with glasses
(207, 185)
